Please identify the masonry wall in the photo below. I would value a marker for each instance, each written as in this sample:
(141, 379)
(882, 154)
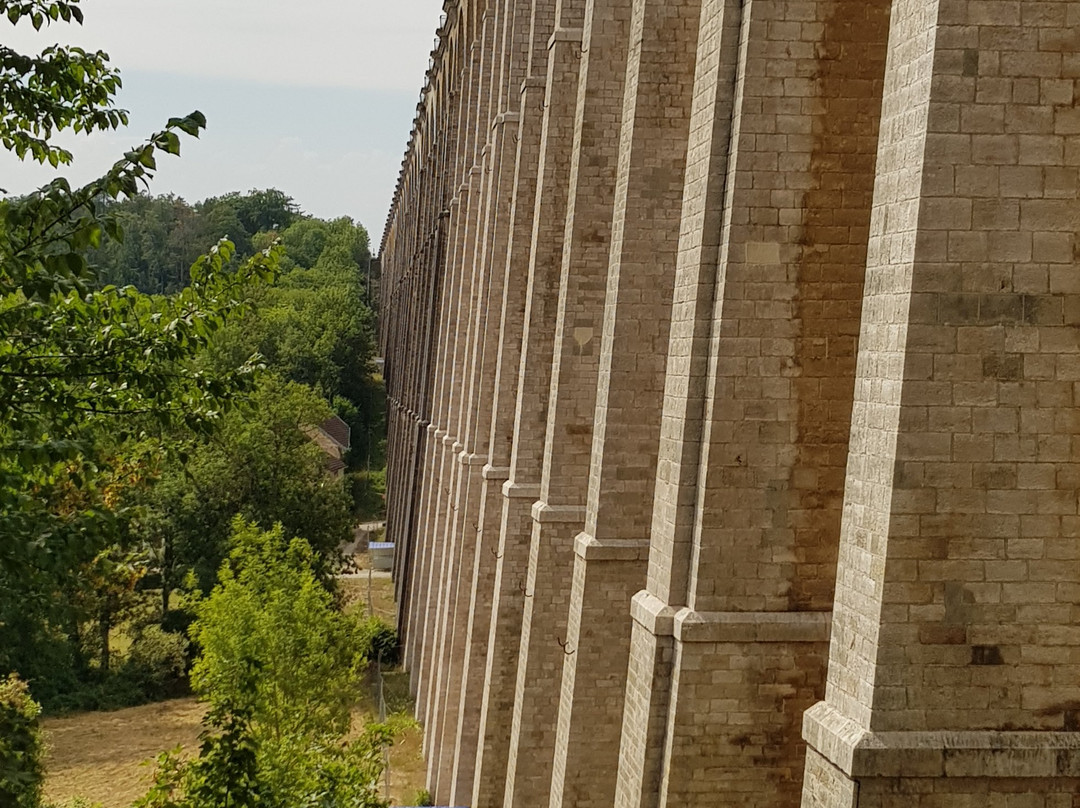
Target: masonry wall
(731, 350)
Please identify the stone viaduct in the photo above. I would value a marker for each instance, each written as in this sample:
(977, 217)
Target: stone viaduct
(733, 358)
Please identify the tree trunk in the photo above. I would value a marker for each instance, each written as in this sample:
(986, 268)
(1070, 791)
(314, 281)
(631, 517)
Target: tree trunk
(104, 627)
(166, 580)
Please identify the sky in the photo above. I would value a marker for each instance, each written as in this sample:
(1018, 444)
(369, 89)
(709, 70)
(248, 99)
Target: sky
(316, 99)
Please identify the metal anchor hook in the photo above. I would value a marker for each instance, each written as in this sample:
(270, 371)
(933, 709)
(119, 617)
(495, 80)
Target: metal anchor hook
(562, 645)
(521, 589)
(496, 553)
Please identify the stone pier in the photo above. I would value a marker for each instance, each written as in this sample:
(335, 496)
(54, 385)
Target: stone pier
(732, 351)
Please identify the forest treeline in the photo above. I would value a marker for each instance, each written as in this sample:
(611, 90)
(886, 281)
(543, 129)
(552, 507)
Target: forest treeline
(169, 518)
(172, 491)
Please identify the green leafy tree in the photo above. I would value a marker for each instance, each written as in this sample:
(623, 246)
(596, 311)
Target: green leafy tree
(313, 327)
(22, 771)
(79, 361)
(260, 211)
(263, 465)
(277, 652)
(270, 610)
(61, 88)
(163, 237)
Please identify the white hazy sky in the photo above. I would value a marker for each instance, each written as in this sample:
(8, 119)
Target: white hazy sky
(315, 99)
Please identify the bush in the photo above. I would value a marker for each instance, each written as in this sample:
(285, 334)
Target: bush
(178, 621)
(378, 641)
(157, 662)
(368, 492)
(22, 772)
(155, 668)
(280, 667)
(45, 659)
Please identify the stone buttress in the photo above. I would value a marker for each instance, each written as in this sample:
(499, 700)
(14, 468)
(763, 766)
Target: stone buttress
(954, 656)
(608, 558)
(732, 350)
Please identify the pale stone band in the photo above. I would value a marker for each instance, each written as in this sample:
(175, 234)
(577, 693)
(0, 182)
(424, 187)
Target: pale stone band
(860, 752)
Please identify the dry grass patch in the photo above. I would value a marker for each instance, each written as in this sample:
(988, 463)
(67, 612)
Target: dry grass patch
(355, 594)
(100, 755)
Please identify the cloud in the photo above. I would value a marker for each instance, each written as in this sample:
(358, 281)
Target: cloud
(358, 44)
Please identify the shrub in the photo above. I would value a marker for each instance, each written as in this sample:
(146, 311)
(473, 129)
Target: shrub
(378, 641)
(22, 772)
(178, 621)
(156, 663)
(279, 668)
(368, 492)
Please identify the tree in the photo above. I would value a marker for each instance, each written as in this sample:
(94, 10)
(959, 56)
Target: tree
(269, 609)
(163, 237)
(261, 464)
(279, 669)
(260, 211)
(22, 748)
(62, 88)
(312, 326)
(77, 361)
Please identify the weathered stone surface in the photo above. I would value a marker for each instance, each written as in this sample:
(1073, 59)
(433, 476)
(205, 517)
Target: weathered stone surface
(732, 359)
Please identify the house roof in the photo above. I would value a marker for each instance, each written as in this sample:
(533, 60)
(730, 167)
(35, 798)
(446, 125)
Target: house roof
(337, 430)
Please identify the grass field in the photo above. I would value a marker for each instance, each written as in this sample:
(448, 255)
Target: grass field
(101, 756)
(355, 594)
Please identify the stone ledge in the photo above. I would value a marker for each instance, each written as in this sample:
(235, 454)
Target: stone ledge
(544, 513)
(513, 490)
(491, 472)
(564, 35)
(692, 626)
(449, 440)
(433, 430)
(440, 433)
(533, 81)
(593, 549)
(504, 118)
(472, 459)
(860, 752)
(652, 614)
